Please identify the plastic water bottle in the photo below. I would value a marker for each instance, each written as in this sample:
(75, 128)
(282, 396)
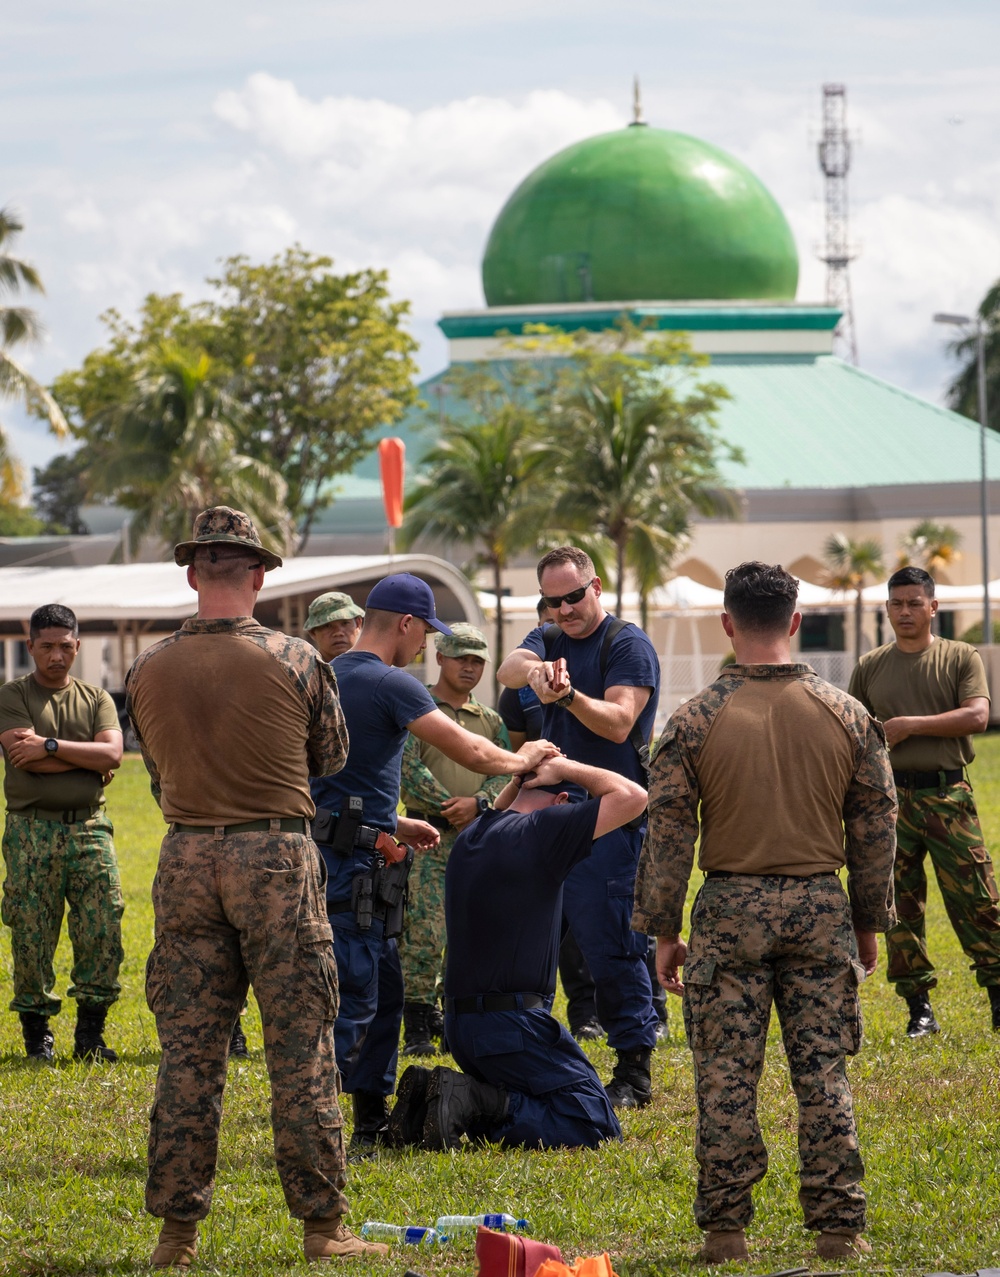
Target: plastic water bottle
(451, 1224)
(410, 1235)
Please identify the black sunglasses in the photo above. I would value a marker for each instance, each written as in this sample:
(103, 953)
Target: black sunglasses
(557, 600)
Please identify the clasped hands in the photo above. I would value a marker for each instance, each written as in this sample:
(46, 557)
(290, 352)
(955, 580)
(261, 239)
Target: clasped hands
(549, 680)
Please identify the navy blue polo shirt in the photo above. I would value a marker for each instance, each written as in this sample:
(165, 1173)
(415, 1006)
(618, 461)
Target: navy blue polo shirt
(503, 897)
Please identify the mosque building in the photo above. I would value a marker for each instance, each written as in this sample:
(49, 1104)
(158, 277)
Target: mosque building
(680, 236)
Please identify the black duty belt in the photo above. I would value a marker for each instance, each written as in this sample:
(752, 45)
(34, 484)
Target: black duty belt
(928, 780)
(74, 816)
(725, 873)
(495, 1002)
(286, 825)
(438, 822)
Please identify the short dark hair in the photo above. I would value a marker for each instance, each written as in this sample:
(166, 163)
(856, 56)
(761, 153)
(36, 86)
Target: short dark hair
(760, 597)
(52, 616)
(563, 554)
(911, 576)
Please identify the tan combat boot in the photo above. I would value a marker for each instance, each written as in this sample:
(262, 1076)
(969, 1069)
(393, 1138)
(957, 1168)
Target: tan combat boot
(720, 1247)
(841, 1246)
(177, 1245)
(331, 1239)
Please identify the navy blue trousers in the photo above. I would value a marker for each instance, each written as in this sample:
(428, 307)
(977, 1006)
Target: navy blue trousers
(597, 904)
(366, 1031)
(556, 1099)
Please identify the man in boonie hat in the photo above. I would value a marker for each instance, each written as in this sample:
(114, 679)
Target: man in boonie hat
(220, 526)
(449, 797)
(334, 623)
(381, 703)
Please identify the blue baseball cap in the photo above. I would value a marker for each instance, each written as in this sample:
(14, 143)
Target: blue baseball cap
(408, 595)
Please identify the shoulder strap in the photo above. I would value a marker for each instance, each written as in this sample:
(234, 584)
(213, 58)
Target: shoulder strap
(635, 736)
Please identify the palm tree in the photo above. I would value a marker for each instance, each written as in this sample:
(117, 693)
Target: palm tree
(631, 463)
(20, 326)
(851, 563)
(963, 393)
(932, 546)
(173, 449)
(478, 489)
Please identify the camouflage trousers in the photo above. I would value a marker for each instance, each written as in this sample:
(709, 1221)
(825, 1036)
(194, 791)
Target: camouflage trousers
(945, 825)
(790, 941)
(52, 866)
(232, 911)
(422, 944)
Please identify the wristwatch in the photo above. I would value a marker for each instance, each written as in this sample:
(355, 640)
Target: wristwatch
(482, 804)
(567, 700)
(51, 745)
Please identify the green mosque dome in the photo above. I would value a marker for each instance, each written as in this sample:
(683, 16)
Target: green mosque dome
(641, 214)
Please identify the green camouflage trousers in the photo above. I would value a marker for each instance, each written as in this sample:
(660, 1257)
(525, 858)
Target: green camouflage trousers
(754, 941)
(422, 944)
(51, 866)
(231, 911)
(947, 827)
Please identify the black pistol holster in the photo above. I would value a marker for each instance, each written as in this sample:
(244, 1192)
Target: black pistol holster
(382, 893)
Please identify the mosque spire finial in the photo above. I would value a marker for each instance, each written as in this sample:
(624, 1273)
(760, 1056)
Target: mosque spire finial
(637, 102)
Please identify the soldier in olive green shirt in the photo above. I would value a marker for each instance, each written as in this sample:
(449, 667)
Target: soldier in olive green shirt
(62, 742)
(931, 695)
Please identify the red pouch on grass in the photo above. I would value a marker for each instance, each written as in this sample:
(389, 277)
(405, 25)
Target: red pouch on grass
(507, 1255)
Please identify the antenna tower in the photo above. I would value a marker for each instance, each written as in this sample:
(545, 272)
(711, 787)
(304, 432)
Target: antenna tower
(835, 161)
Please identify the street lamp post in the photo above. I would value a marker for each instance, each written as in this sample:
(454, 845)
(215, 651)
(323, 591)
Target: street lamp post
(964, 321)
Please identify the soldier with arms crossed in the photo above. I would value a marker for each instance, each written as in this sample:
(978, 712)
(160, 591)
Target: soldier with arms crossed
(785, 778)
(931, 695)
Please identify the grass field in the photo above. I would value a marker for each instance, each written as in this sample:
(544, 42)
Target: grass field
(73, 1137)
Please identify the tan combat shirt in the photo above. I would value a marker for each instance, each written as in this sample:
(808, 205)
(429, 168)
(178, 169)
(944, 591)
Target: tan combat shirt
(781, 773)
(429, 778)
(77, 712)
(891, 683)
(232, 719)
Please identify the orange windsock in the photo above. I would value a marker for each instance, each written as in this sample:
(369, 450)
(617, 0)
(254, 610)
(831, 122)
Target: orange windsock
(391, 464)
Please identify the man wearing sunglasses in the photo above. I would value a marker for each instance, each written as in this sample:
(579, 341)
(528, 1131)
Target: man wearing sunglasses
(598, 705)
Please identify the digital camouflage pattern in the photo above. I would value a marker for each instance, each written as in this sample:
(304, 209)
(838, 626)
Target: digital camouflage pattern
(869, 810)
(332, 606)
(50, 866)
(422, 944)
(464, 640)
(244, 908)
(946, 826)
(218, 524)
(790, 941)
(311, 676)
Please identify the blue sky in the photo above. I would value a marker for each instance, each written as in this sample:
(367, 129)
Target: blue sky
(143, 142)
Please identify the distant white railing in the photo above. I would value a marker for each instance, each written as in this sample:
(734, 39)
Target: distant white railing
(682, 676)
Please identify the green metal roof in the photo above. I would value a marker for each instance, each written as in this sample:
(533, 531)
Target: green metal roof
(639, 213)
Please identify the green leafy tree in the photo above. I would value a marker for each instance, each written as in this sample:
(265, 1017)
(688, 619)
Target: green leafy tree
(59, 491)
(963, 393)
(479, 484)
(173, 449)
(932, 546)
(851, 564)
(19, 326)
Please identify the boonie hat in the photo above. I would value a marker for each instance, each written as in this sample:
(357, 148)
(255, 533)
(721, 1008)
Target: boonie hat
(408, 595)
(332, 606)
(221, 525)
(465, 640)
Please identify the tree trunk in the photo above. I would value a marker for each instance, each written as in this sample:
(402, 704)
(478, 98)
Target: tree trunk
(619, 575)
(858, 615)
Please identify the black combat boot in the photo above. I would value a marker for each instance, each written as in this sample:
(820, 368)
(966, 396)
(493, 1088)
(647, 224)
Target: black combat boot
(436, 1021)
(88, 1038)
(922, 1019)
(38, 1039)
(406, 1121)
(238, 1042)
(631, 1086)
(994, 991)
(454, 1102)
(371, 1125)
(417, 1018)
(588, 1031)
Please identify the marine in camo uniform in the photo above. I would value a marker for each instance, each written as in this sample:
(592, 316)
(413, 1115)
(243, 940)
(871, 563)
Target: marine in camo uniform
(62, 743)
(232, 719)
(786, 779)
(449, 797)
(931, 695)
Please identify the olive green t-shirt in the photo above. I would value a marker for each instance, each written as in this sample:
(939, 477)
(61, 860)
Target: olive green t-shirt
(890, 683)
(77, 712)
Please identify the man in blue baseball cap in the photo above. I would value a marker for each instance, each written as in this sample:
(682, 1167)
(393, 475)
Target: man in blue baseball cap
(356, 821)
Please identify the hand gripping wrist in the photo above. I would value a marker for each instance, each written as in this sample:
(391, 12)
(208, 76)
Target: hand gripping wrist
(567, 700)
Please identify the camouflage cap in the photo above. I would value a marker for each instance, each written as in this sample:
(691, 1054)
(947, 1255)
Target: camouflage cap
(464, 640)
(230, 527)
(332, 606)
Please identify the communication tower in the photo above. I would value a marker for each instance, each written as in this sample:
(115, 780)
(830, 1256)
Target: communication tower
(838, 253)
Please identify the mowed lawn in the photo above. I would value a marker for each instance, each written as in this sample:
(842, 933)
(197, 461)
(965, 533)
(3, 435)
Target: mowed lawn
(73, 1137)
